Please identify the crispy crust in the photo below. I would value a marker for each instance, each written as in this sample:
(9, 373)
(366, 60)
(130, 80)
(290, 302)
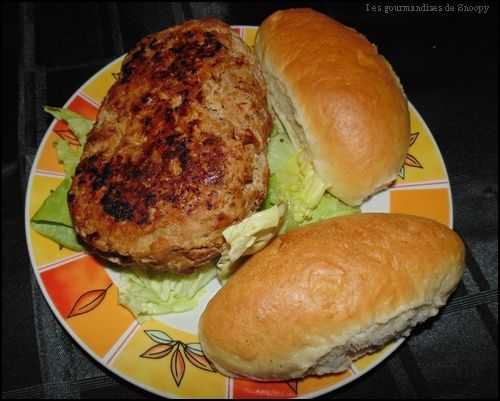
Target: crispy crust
(177, 153)
(333, 291)
(338, 98)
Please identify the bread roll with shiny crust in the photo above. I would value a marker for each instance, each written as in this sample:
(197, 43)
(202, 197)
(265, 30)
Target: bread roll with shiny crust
(339, 100)
(320, 296)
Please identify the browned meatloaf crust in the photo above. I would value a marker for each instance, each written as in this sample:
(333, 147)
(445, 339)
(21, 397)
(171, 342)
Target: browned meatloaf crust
(177, 153)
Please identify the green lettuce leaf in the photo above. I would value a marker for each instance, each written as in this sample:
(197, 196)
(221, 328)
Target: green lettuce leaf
(248, 237)
(329, 206)
(68, 156)
(55, 208)
(294, 181)
(147, 294)
(63, 235)
(280, 148)
(80, 125)
(53, 219)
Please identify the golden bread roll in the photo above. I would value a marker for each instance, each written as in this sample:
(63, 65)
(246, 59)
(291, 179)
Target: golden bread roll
(325, 294)
(338, 98)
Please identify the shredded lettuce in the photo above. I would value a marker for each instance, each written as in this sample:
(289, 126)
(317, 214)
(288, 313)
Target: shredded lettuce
(147, 294)
(248, 237)
(53, 219)
(294, 181)
(79, 125)
(329, 207)
(68, 156)
(296, 196)
(55, 208)
(280, 148)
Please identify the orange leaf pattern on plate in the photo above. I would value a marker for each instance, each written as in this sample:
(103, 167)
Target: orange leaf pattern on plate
(177, 365)
(158, 351)
(195, 355)
(181, 351)
(159, 336)
(413, 137)
(88, 301)
(410, 160)
(68, 135)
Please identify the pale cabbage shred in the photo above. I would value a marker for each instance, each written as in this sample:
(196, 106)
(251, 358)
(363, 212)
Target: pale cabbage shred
(249, 237)
(146, 294)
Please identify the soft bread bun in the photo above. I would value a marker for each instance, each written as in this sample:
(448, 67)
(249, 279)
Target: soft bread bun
(323, 295)
(339, 100)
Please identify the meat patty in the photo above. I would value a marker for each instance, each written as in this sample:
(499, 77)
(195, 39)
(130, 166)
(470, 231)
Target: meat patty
(177, 153)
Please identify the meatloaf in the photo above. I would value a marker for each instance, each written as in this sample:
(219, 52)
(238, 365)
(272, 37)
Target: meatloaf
(177, 153)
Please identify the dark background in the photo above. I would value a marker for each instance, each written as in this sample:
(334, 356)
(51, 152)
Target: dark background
(448, 64)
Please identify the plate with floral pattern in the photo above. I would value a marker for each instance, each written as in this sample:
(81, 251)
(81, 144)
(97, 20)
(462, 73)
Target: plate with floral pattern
(163, 355)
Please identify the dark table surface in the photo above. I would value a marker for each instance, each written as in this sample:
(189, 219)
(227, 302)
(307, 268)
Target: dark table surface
(448, 64)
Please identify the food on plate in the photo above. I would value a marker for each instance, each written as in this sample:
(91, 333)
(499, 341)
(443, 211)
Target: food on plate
(203, 151)
(144, 293)
(53, 219)
(340, 101)
(248, 237)
(295, 194)
(294, 181)
(178, 151)
(148, 294)
(323, 295)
